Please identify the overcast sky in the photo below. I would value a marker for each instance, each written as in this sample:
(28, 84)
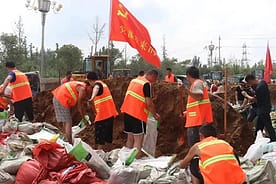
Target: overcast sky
(187, 25)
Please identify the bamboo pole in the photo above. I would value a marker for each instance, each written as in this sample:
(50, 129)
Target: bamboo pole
(225, 99)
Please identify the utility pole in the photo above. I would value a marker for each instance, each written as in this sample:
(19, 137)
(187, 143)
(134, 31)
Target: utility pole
(219, 52)
(244, 55)
(125, 56)
(164, 50)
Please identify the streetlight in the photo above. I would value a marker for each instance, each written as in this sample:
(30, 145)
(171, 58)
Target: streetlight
(44, 7)
(211, 49)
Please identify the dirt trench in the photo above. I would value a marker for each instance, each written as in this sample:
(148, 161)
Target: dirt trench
(166, 100)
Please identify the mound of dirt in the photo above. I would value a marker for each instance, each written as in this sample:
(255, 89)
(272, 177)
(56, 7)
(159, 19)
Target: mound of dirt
(166, 100)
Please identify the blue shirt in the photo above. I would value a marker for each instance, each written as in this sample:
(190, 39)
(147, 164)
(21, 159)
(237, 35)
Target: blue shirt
(12, 74)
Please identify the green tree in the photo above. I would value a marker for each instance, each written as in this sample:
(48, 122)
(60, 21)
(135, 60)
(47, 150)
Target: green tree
(69, 57)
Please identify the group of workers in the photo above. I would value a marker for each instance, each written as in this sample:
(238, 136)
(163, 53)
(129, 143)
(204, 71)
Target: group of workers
(211, 160)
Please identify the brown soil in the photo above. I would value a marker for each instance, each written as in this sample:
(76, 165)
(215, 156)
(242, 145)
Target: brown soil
(167, 104)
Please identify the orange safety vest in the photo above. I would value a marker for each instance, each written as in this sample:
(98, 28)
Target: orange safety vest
(4, 102)
(135, 102)
(218, 163)
(170, 79)
(21, 88)
(67, 93)
(198, 111)
(64, 80)
(104, 104)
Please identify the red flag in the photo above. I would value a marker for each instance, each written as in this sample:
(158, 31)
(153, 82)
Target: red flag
(268, 70)
(126, 28)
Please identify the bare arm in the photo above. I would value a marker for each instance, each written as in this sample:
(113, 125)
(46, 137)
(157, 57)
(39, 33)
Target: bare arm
(194, 151)
(95, 91)
(151, 108)
(81, 97)
(6, 82)
(197, 96)
(250, 98)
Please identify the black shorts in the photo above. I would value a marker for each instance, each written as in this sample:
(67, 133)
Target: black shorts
(134, 125)
(194, 168)
(104, 131)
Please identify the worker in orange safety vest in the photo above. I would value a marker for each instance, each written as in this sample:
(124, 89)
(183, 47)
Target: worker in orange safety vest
(104, 109)
(198, 108)
(170, 77)
(67, 96)
(217, 161)
(21, 92)
(136, 107)
(67, 78)
(5, 99)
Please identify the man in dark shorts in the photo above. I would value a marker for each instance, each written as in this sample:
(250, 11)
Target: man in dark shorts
(263, 105)
(217, 161)
(136, 106)
(104, 109)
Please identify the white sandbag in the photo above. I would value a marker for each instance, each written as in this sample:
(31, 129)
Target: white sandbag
(83, 152)
(270, 156)
(112, 156)
(10, 126)
(42, 134)
(126, 155)
(17, 142)
(6, 178)
(124, 175)
(150, 139)
(256, 150)
(260, 138)
(270, 147)
(263, 172)
(12, 166)
(29, 127)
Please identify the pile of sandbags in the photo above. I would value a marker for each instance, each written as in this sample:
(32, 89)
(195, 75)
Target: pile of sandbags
(53, 165)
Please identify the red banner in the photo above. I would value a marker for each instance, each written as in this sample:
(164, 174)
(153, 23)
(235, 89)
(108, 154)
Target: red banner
(268, 70)
(126, 28)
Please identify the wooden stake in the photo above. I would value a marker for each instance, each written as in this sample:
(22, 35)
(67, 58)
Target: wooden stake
(225, 100)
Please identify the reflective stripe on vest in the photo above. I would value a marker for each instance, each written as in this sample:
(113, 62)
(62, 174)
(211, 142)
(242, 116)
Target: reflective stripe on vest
(19, 84)
(104, 104)
(200, 102)
(135, 102)
(67, 85)
(203, 145)
(102, 100)
(135, 95)
(216, 159)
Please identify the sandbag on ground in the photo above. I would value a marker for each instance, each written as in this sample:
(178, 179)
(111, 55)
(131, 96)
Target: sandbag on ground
(6, 178)
(84, 153)
(28, 172)
(52, 156)
(76, 173)
(263, 172)
(12, 166)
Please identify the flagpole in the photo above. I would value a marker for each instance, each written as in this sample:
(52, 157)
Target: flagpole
(108, 41)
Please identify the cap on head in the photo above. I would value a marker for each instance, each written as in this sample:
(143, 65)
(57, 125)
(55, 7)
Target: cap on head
(10, 64)
(92, 76)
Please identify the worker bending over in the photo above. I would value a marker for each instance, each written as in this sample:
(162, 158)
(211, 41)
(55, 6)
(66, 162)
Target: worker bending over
(104, 109)
(67, 96)
(136, 107)
(217, 161)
